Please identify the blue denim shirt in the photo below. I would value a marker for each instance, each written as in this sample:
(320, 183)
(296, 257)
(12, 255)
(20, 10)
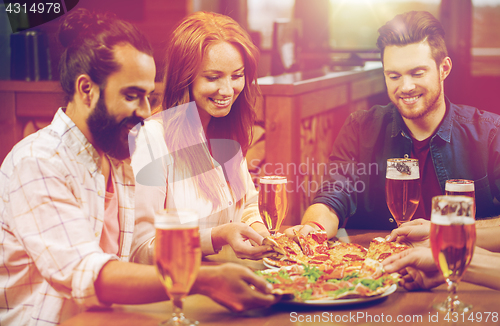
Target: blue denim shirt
(465, 146)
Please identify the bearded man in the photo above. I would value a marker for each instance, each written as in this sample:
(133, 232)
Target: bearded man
(450, 141)
(67, 210)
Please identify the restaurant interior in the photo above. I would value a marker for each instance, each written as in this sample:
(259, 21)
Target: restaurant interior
(318, 64)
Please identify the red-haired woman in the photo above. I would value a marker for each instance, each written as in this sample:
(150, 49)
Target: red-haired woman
(210, 83)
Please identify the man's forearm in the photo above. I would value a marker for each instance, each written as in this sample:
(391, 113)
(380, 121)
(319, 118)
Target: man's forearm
(483, 270)
(129, 283)
(323, 215)
(488, 237)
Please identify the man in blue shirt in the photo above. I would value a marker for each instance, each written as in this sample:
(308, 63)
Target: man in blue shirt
(451, 141)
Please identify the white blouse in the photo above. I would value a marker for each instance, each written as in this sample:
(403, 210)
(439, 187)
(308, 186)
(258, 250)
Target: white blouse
(180, 194)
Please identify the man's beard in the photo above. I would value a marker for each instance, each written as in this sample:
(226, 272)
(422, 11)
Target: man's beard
(107, 133)
(430, 105)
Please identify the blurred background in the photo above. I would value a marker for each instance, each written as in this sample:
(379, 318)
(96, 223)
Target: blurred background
(318, 64)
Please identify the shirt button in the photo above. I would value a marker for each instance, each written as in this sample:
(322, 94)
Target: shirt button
(391, 220)
(99, 192)
(230, 203)
(97, 234)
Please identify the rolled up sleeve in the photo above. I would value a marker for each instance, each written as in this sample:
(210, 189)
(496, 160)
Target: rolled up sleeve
(55, 230)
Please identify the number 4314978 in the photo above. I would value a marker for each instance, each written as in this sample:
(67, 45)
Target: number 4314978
(40, 8)
(472, 317)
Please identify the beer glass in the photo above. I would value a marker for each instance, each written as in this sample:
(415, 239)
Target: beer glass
(461, 187)
(452, 237)
(177, 256)
(273, 201)
(402, 188)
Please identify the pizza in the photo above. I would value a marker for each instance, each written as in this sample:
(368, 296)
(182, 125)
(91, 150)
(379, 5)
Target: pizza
(287, 250)
(308, 282)
(380, 249)
(336, 259)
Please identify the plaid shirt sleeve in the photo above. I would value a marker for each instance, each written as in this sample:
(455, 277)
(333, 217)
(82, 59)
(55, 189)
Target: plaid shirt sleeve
(52, 218)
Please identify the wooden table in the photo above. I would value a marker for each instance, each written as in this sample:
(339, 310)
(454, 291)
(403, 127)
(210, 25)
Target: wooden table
(401, 307)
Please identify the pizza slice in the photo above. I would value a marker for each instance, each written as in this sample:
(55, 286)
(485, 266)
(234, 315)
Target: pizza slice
(286, 249)
(350, 254)
(312, 243)
(380, 249)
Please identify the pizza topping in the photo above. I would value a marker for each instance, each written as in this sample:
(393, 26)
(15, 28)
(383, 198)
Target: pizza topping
(312, 270)
(319, 237)
(353, 257)
(336, 260)
(290, 251)
(321, 250)
(310, 283)
(312, 273)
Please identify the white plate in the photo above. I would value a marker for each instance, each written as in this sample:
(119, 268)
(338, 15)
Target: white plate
(342, 302)
(269, 266)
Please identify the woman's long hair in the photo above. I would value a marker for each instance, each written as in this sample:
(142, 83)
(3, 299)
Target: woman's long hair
(190, 42)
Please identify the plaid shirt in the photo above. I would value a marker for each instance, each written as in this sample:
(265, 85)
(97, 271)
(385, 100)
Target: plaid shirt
(51, 217)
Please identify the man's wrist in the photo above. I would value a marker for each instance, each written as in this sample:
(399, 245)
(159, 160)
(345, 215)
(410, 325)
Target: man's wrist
(317, 226)
(201, 283)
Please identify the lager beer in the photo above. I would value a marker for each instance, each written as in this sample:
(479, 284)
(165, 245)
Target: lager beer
(273, 201)
(178, 258)
(402, 188)
(177, 255)
(453, 246)
(460, 187)
(452, 238)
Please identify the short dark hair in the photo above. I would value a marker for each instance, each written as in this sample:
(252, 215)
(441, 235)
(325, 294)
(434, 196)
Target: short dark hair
(413, 27)
(88, 39)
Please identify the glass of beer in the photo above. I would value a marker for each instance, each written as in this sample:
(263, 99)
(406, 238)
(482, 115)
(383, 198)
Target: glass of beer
(177, 256)
(452, 237)
(402, 188)
(273, 201)
(460, 187)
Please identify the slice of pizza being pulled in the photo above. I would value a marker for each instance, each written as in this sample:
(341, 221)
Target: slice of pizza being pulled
(380, 249)
(287, 251)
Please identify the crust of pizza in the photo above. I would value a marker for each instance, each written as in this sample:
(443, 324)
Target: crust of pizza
(277, 262)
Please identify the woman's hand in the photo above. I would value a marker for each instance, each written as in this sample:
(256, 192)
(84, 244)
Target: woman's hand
(236, 235)
(260, 228)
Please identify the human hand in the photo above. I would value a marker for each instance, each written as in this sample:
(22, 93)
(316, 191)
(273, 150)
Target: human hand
(417, 267)
(236, 235)
(414, 233)
(303, 229)
(260, 228)
(234, 287)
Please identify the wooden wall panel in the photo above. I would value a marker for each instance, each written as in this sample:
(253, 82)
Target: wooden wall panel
(8, 126)
(37, 104)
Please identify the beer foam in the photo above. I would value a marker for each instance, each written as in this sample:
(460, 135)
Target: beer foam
(273, 180)
(439, 219)
(176, 219)
(394, 174)
(460, 187)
